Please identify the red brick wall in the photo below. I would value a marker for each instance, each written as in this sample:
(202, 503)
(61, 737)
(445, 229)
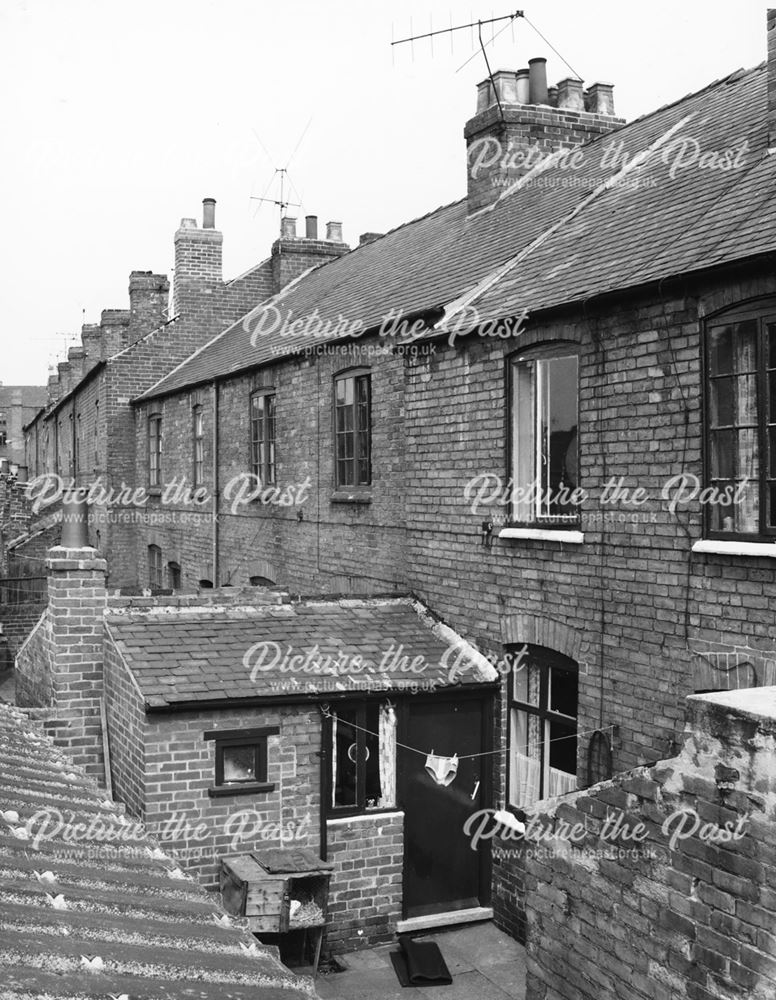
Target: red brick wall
(126, 721)
(366, 888)
(337, 546)
(180, 767)
(632, 605)
(658, 920)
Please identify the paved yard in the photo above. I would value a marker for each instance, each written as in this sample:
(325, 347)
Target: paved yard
(484, 963)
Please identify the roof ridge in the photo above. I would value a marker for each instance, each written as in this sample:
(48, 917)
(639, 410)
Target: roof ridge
(227, 329)
(734, 76)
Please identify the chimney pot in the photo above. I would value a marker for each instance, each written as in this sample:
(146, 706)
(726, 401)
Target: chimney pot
(334, 232)
(523, 87)
(570, 94)
(600, 98)
(311, 227)
(75, 533)
(188, 224)
(287, 228)
(537, 80)
(208, 213)
(484, 95)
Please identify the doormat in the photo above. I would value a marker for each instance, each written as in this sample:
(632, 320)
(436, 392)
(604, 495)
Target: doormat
(420, 963)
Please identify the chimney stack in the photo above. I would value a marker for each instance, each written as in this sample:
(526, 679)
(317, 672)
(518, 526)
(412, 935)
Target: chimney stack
(198, 265)
(771, 77)
(148, 303)
(504, 143)
(311, 227)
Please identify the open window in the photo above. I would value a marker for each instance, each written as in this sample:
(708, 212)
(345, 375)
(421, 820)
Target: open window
(544, 459)
(542, 700)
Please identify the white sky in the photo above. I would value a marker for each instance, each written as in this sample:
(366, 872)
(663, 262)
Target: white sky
(118, 118)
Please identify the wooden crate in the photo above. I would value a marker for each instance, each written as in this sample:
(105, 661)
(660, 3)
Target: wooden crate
(262, 886)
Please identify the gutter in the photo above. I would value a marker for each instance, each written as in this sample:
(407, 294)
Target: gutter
(307, 697)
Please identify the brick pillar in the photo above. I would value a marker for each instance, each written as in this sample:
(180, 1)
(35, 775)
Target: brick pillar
(76, 602)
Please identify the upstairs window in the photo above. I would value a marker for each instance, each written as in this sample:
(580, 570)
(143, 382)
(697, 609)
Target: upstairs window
(543, 691)
(263, 435)
(155, 567)
(741, 423)
(543, 402)
(353, 429)
(199, 445)
(155, 450)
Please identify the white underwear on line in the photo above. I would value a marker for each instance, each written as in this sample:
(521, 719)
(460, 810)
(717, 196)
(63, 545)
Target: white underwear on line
(442, 769)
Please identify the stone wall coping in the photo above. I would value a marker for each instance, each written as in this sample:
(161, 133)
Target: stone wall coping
(754, 703)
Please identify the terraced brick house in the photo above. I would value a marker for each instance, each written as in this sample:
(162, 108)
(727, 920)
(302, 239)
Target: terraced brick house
(545, 412)
(601, 321)
(85, 433)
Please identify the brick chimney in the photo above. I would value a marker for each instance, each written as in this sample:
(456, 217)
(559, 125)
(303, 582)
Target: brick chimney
(148, 303)
(501, 150)
(76, 357)
(114, 324)
(293, 255)
(771, 22)
(67, 667)
(198, 264)
(91, 336)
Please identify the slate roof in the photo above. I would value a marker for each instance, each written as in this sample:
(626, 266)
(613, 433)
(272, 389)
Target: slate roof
(556, 242)
(216, 655)
(117, 903)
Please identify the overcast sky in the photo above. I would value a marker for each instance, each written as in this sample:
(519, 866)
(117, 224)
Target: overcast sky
(118, 118)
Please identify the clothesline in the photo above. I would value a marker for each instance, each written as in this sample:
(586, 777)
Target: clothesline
(327, 714)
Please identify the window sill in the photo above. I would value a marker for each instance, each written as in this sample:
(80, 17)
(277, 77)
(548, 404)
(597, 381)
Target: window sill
(720, 547)
(381, 814)
(544, 535)
(249, 788)
(343, 496)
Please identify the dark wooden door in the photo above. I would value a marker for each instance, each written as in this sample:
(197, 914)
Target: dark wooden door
(441, 871)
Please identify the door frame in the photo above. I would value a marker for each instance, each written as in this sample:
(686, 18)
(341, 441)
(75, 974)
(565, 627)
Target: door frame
(488, 696)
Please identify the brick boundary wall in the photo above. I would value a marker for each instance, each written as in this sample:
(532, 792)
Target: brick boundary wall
(691, 919)
(366, 889)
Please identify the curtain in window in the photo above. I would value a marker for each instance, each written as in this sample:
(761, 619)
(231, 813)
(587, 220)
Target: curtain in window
(525, 776)
(387, 731)
(560, 782)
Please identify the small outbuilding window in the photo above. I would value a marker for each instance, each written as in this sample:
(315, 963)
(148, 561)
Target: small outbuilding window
(241, 761)
(362, 754)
